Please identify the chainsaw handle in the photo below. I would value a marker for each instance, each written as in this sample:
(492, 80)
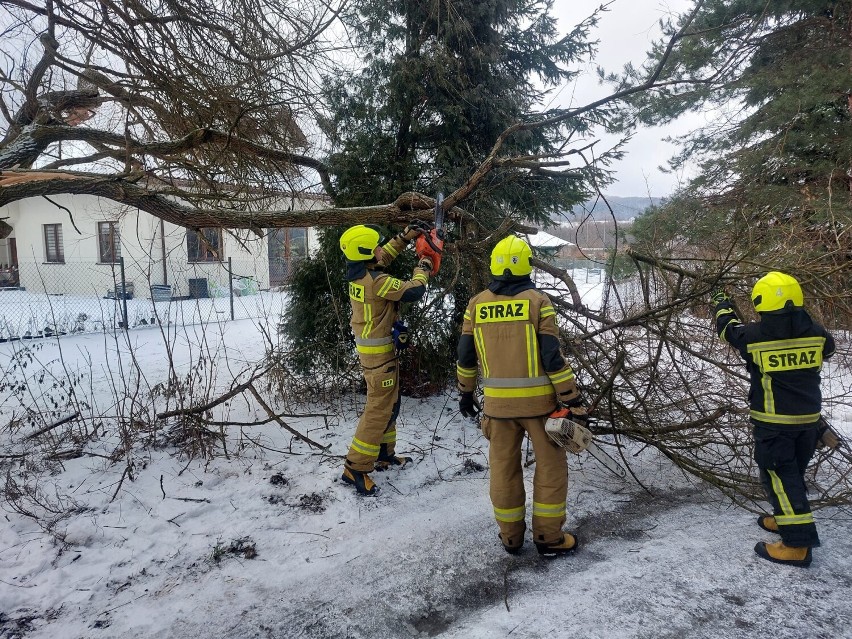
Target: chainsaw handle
(431, 236)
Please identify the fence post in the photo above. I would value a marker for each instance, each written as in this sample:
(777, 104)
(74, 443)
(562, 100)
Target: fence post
(123, 294)
(231, 285)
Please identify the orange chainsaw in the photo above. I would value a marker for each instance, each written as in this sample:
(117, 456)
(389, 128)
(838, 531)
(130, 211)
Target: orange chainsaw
(431, 244)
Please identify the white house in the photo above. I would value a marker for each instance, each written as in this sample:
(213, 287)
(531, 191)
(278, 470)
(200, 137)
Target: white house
(73, 244)
(546, 244)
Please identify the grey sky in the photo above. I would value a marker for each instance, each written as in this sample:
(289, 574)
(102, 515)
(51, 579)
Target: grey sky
(625, 33)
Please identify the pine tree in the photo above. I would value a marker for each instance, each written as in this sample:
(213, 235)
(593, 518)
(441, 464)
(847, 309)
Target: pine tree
(440, 82)
(774, 177)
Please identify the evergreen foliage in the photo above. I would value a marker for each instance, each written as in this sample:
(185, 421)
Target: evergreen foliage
(440, 82)
(320, 308)
(773, 186)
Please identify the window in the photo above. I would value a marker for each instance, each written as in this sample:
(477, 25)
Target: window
(204, 245)
(285, 244)
(286, 247)
(53, 251)
(109, 242)
(298, 243)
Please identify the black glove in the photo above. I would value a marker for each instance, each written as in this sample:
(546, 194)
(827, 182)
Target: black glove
(425, 263)
(468, 406)
(718, 297)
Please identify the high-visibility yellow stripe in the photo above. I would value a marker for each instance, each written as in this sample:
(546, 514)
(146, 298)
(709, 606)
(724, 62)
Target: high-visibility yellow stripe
(797, 342)
(368, 319)
(548, 510)
(561, 376)
(480, 347)
(510, 514)
(532, 391)
(535, 351)
(373, 341)
(390, 249)
(389, 437)
(372, 350)
(420, 277)
(390, 283)
(364, 448)
(467, 314)
(722, 335)
(781, 494)
(465, 372)
(774, 418)
(532, 351)
(790, 517)
(724, 311)
(793, 520)
(768, 395)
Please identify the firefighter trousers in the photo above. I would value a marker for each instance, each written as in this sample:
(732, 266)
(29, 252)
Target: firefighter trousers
(376, 431)
(782, 457)
(550, 481)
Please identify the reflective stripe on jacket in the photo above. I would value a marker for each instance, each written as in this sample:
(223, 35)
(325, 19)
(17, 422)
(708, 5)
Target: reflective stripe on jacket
(784, 353)
(375, 295)
(515, 341)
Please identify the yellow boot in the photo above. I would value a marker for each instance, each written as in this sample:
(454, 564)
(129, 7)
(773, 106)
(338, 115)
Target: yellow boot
(780, 553)
(567, 545)
(364, 485)
(768, 523)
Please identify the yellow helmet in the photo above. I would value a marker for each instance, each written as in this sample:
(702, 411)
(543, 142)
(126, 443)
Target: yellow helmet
(359, 242)
(511, 254)
(775, 291)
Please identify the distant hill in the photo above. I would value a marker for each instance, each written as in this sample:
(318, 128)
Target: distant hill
(622, 207)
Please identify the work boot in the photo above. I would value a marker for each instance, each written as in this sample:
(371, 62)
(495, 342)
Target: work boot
(513, 544)
(567, 545)
(391, 461)
(780, 553)
(768, 523)
(362, 482)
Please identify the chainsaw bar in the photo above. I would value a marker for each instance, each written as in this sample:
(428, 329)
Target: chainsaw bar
(606, 460)
(576, 438)
(438, 228)
(439, 213)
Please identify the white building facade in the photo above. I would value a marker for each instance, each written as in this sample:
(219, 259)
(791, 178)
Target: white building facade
(75, 245)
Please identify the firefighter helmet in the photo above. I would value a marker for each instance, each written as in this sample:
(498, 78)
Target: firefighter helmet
(359, 242)
(776, 291)
(511, 254)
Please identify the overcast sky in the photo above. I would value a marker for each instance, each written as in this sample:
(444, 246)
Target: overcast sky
(625, 33)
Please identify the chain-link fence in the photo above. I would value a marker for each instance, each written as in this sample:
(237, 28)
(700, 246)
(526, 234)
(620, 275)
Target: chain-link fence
(580, 270)
(48, 299)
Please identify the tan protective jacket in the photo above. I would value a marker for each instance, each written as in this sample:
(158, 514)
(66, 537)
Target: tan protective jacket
(375, 296)
(515, 340)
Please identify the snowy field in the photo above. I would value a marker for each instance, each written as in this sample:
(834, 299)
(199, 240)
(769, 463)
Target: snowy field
(268, 543)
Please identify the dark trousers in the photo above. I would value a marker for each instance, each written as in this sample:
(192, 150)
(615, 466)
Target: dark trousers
(782, 457)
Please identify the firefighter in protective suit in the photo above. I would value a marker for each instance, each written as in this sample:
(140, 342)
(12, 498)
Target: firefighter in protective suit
(783, 352)
(375, 298)
(510, 332)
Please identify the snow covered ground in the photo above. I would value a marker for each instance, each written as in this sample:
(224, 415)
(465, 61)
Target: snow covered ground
(268, 543)
(28, 315)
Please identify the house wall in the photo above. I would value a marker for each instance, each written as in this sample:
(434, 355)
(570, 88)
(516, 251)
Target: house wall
(155, 253)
